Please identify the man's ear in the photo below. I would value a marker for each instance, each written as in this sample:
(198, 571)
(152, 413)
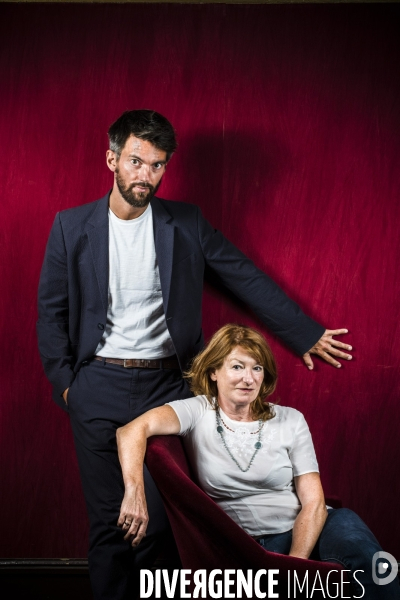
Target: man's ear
(112, 160)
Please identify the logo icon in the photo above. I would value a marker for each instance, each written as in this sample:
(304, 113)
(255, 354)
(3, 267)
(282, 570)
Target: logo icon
(384, 568)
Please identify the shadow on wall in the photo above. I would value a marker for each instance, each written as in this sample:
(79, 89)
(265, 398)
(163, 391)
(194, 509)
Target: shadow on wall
(236, 168)
(242, 173)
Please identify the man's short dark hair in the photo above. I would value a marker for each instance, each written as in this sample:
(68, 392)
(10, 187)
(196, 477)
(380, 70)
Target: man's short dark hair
(146, 125)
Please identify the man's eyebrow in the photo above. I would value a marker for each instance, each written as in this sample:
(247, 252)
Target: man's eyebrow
(163, 162)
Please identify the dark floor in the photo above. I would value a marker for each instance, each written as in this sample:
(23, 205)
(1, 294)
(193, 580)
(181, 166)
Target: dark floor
(40, 579)
(44, 580)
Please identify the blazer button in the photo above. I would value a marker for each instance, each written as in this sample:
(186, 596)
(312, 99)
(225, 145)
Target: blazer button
(100, 326)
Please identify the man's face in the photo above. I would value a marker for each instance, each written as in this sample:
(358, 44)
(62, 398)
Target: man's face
(139, 171)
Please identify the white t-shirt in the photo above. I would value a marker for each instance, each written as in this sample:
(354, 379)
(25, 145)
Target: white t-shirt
(136, 326)
(262, 500)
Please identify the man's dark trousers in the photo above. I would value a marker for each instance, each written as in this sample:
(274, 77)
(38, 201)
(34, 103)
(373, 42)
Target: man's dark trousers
(102, 398)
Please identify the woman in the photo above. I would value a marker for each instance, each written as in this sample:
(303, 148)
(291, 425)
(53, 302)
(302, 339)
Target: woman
(256, 460)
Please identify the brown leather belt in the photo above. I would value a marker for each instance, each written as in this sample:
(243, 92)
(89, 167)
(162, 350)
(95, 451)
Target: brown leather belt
(139, 363)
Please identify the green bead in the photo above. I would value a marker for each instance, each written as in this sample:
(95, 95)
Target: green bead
(219, 429)
(258, 445)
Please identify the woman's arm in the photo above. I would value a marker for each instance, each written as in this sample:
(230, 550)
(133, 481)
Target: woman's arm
(310, 520)
(132, 442)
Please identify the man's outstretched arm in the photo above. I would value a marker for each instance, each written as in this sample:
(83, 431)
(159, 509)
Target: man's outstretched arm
(269, 302)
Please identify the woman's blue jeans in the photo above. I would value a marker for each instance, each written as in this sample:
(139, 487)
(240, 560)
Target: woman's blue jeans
(344, 539)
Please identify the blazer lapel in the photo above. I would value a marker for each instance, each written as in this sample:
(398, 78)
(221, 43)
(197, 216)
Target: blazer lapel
(97, 232)
(164, 233)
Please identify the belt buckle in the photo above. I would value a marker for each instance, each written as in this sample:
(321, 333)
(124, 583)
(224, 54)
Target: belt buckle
(140, 363)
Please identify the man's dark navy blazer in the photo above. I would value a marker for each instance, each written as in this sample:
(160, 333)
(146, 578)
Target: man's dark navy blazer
(73, 289)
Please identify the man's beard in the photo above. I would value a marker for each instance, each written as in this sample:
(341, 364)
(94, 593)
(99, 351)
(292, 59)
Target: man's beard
(132, 197)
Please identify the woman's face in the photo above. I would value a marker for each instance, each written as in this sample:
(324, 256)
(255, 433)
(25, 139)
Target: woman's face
(239, 379)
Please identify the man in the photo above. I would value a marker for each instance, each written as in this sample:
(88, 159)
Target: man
(120, 319)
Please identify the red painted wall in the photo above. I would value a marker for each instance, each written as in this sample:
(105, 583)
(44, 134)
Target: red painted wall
(288, 123)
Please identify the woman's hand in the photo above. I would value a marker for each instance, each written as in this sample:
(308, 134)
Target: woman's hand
(131, 442)
(133, 517)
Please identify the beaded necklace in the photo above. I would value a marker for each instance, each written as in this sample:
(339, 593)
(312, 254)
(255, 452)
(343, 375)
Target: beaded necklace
(233, 431)
(257, 445)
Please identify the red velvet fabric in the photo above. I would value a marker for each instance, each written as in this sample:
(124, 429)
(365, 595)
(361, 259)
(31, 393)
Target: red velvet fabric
(288, 126)
(207, 538)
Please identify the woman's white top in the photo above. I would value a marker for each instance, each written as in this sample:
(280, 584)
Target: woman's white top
(136, 326)
(262, 500)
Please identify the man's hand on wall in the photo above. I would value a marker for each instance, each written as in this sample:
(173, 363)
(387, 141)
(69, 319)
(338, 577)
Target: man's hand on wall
(328, 349)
